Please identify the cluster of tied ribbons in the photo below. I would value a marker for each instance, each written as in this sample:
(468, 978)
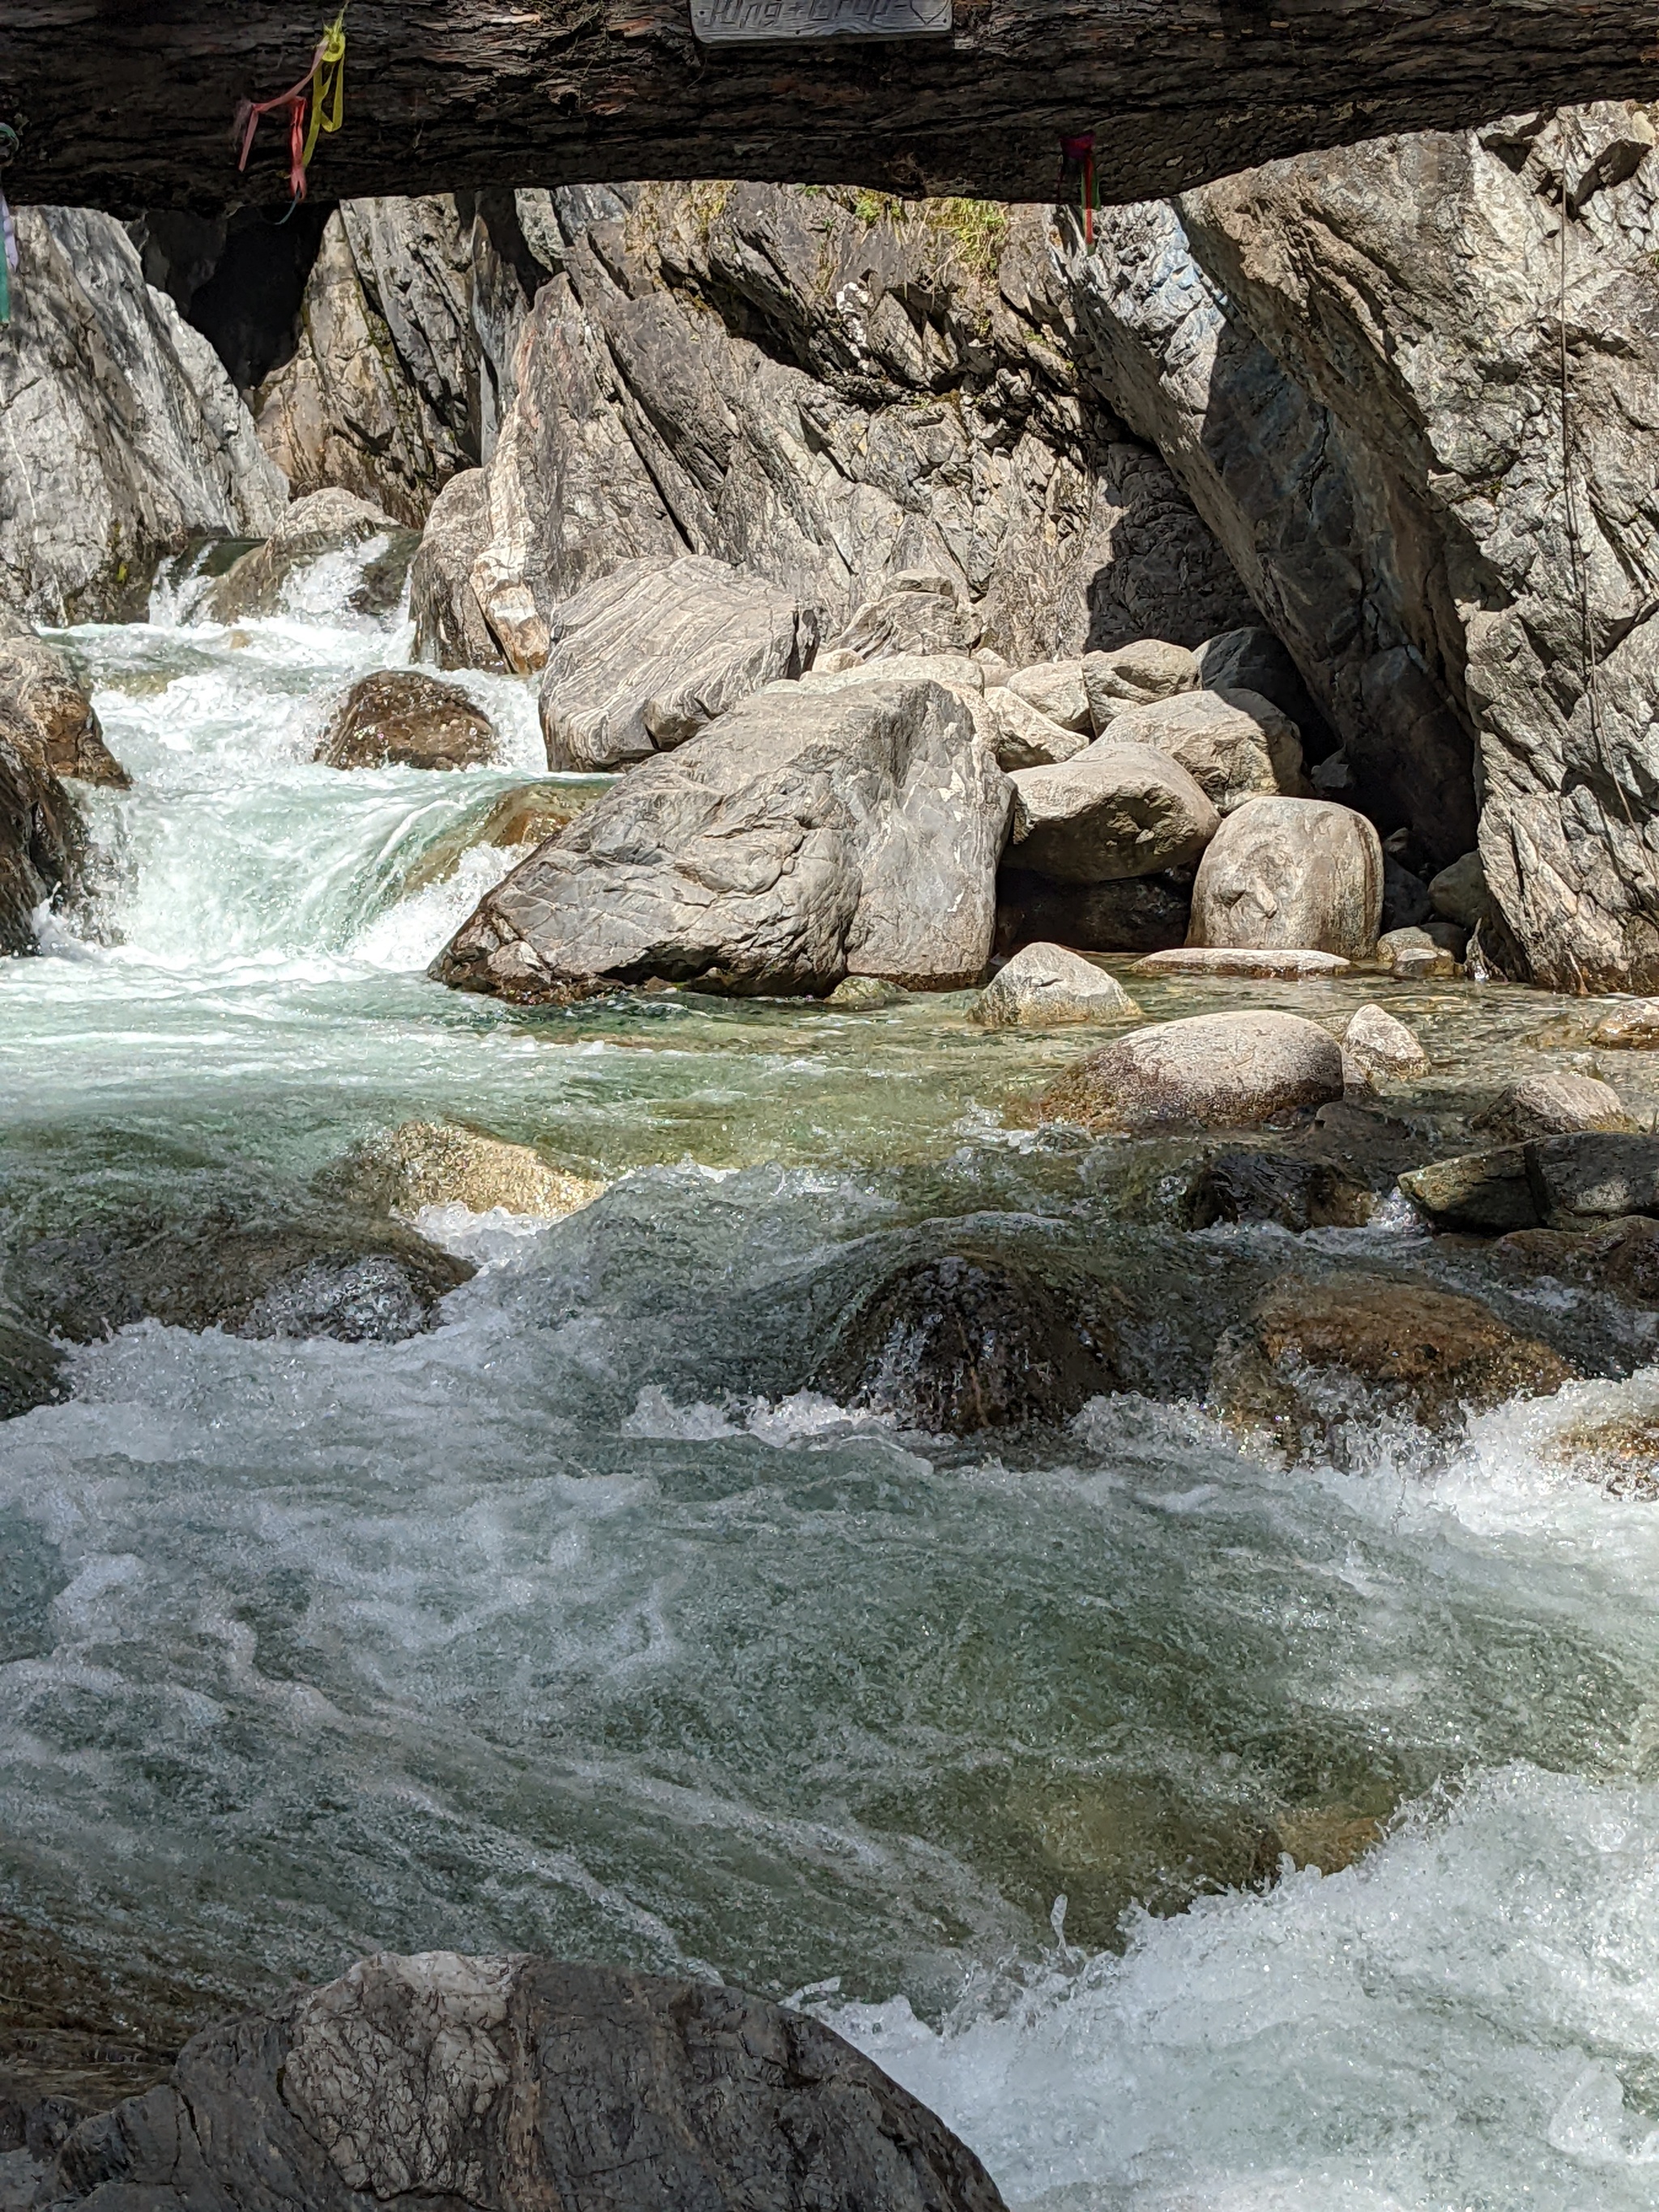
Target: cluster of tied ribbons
(315, 104)
(8, 228)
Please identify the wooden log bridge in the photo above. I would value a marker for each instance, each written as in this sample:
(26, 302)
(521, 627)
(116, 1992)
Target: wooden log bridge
(128, 104)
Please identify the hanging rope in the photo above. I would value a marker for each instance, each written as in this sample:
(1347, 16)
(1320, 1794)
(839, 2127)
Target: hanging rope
(321, 90)
(8, 143)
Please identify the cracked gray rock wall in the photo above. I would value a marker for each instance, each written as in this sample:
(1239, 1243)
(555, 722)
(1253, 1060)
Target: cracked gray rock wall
(1353, 360)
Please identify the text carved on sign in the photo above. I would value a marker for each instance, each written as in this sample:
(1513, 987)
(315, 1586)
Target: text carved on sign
(718, 21)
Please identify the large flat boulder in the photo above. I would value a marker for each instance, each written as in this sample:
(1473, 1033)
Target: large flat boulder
(1112, 811)
(643, 660)
(1290, 873)
(1226, 1070)
(500, 2083)
(804, 837)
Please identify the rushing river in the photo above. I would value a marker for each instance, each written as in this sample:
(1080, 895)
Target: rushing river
(571, 1624)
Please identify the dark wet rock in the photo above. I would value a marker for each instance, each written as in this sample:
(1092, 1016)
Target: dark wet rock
(1245, 1185)
(803, 838)
(1317, 1354)
(400, 718)
(363, 1282)
(1458, 892)
(1141, 913)
(326, 522)
(1252, 659)
(1554, 1105)
(30, 1368)
(1284, 873)
(39, 681)
(502, 2082)
(1578, 1180)
(1487, 1190)
(1225, 1070)
(1405, 897)
(41, 839)
(1045, 985)
(969, 1340)
(1621, 1259)
(640, 662)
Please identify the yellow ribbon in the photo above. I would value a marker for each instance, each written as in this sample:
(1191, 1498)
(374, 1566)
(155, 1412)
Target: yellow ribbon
(327, 87)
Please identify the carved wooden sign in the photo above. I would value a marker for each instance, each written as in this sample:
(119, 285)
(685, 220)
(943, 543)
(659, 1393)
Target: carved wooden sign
(723, 23)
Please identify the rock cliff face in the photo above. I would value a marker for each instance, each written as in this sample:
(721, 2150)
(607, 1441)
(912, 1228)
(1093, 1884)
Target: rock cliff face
(1413, 386)
(827, 389)
(123, 436)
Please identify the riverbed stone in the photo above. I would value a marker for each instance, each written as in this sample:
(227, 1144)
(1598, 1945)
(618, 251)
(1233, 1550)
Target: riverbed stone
(1630, 1028)
(40, 683)
(1294, 964)
(1056, 690)
(801, 838)
(963, 1342)
(641, 660)
(439, 2079)
(1553, 1105)
(1024, 737)
(1234, 744)
(1317, 1354)
(864, 994)
(1130, 675)
(444, 1163)
(1223, 1070)
(402, 718)
(1291, 871)
(1137, 914)
(363, 1281)
(1619, 1453)
(1580, 1179)
(1383, 1045)
(263, 581)
(1619, 1258)
(1298, 1193)
(1412, 955)
(1045, 987)
(1113, 810)
(1489, 1190)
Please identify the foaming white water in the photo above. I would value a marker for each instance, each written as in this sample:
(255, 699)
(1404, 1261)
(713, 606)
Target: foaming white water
(1467, 2017)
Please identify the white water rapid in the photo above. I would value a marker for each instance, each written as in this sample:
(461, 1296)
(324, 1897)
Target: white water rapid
(576, 1624)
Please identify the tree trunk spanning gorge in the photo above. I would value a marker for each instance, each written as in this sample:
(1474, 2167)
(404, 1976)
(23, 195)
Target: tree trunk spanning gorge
(130, 108)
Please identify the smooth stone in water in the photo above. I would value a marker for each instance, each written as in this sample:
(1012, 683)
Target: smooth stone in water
(1113, 810)
(1130, 675)
(1488, 1190)
(1291, 871)
(1413, 955)
(1290, 965)
(1226, 1070)
(400, 718)
(1315, 1355)
(1555, 1105)
(864, 994)
(1620, 1257)
(1583, 1179)
(643, 660)
(803, 838)
(1632, 1027)
(442, 1164)
(503, 2083)
(1234, 745)
(1057, 688)
(1044, 985)
(1382, 1045)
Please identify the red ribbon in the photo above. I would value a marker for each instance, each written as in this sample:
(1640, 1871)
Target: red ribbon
(1082, 149)
(247, 123)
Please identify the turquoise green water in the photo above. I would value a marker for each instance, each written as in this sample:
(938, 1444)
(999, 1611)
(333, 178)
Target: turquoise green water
(577, 1624)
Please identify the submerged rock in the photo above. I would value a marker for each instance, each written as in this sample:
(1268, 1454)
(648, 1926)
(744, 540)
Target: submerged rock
(503, 2082)
(1620, 1455)
(1227, 1070)
(1044, 985)
(1291, 871)
(801, 838)
(1291, 965)
(1554, 1105)
(1113, 809)
(525, 814)
(1315, 1355)
(442, 1164)
(39, 684)
(1297, 1193)
(967, 1341)
(864, 994)
(323, 522)
(400, 718)
(31, 1368)
(363, 1282)
(639, 663)
(1633, 1027)
(1621, 1258)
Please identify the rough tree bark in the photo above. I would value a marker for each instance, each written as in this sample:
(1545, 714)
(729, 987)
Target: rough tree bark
(127, 104)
